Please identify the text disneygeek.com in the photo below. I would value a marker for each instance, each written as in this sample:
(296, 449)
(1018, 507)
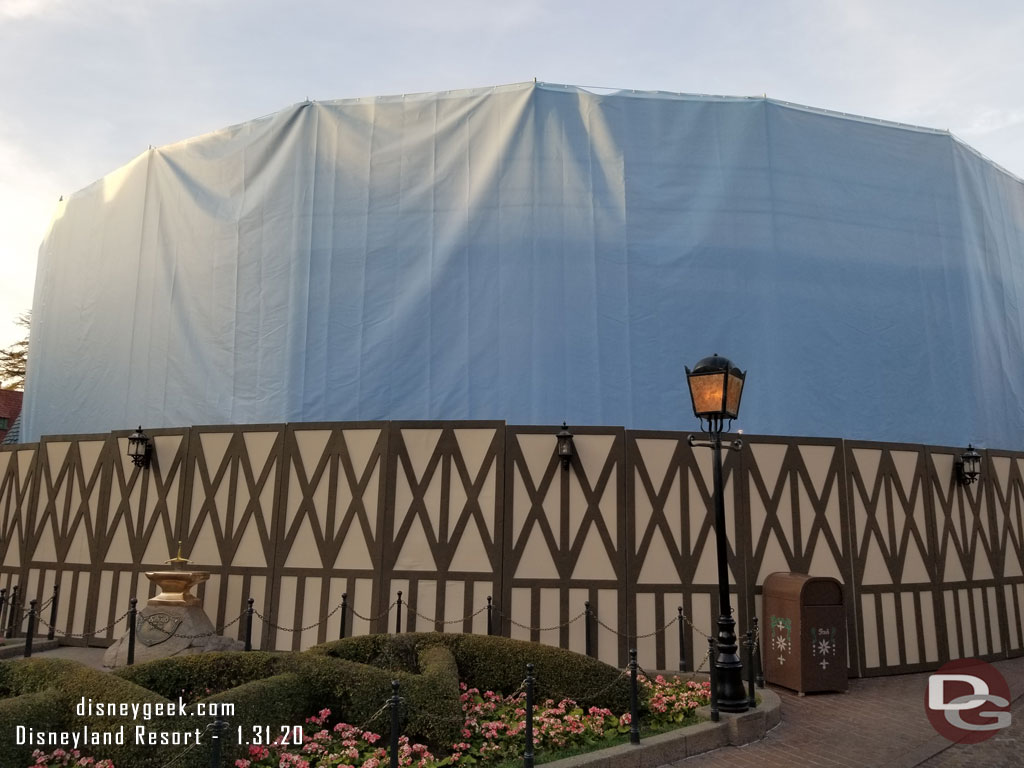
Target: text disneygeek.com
(145, 733)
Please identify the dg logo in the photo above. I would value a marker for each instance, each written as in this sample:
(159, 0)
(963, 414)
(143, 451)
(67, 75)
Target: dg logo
(968, 701)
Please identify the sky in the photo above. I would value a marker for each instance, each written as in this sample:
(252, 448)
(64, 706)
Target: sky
(86, 85)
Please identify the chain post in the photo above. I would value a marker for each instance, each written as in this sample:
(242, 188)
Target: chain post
(714, 679)
(53, 611)
(634, 708)
(3, 607)
(528, 754)
(682, 642)
(219, 729)
(394, 702)
(132, 619)
(588, 634)
(398, 615)
(248, 624)
(31, 627)
(490, 617)
(344, 612)
(12, 612)
(751, 696)
(757, 655)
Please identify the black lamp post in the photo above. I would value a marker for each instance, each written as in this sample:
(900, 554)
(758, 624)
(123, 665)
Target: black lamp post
(716, 386)
(968, 466)
(139, 448)
(565, 446)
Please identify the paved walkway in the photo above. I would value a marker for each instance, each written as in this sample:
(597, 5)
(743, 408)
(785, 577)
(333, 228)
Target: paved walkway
(880, 722)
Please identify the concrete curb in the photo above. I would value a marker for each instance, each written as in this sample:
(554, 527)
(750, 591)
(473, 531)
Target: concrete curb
(16, 651)
(731, 730)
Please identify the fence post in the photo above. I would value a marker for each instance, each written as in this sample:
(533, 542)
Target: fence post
(31, 627)
(528, 754)
(682, 642)
(3, 607)
(248, 624)
(53, 611)
(132, 618)
(12, 612)
(634, 708)
(398, 615)
(757, 654)
(714, 679)
(490, 618)
(751, 696)
(589, 640)
(394, 723)
(344, 612)
(219, 729)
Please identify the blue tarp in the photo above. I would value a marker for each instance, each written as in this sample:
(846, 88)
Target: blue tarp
(535, 253)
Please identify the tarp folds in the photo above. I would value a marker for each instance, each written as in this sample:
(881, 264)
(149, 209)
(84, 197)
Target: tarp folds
(536, 253)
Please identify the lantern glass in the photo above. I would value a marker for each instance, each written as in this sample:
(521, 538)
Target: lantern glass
(733, 394)
(716, 387)
(707, 393)
(138, 444)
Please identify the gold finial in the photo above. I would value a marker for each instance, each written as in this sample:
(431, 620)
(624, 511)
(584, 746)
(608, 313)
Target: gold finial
(178, 561)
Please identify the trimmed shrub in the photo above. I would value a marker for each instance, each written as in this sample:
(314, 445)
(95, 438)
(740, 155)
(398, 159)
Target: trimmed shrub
(203, 674)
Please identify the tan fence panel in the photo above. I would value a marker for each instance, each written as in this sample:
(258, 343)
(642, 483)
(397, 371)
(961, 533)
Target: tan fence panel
(329, 535)
(567, 539)
(444, 540)
(894, 558)
(1003, 482)
(227, 527)
(794, 492)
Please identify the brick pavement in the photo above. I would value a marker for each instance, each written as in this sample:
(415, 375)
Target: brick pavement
(880, 722)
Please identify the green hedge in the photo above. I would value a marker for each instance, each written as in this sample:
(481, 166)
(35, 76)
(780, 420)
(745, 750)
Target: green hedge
(204, 674)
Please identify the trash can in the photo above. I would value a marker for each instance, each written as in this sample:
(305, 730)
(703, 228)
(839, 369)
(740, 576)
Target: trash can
(804, 643)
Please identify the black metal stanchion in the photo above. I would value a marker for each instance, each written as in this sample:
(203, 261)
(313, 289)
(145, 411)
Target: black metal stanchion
(31, 627)
(751, 696)
(133, 614)
(394, 701)
(528, 754)
(714, 681)
(398, 615)
(490, 617)
(248, 624)
(53, 611)
(634, 704)
(757, 655)
(682, 642)
(219, 729)
(344, 613)
(3, 607)
(588, 633)
(12, 612)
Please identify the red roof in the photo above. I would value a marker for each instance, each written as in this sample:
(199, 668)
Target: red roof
(10, 407)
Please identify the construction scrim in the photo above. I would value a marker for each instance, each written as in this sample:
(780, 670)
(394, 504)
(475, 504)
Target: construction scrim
(452, 513)
(534, 253)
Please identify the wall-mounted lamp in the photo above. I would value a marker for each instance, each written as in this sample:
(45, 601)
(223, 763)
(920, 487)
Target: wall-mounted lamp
(968, 466)
(139, 448)
(565, 447)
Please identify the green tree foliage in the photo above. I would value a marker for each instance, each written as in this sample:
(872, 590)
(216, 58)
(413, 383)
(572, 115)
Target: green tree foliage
(14, 359)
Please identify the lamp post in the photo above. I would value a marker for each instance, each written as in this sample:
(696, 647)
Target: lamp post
(716, 386)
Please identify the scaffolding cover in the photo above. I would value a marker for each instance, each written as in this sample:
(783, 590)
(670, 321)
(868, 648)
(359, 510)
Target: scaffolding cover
(535, 253)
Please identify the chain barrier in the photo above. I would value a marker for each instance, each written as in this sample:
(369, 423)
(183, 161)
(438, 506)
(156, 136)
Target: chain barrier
(215, 632)
(84, 635)
(187, 749)
(374, 618)
(269, 623)
(442, 621)
(527, 627)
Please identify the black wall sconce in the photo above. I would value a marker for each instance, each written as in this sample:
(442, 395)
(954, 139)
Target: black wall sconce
(968, 466)
(139, 448)
(565, 446)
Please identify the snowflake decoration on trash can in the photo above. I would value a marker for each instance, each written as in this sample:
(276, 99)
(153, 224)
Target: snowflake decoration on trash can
(782, 636)
(823, 644)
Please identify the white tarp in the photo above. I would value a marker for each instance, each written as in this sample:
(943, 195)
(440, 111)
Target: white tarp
(535, 253)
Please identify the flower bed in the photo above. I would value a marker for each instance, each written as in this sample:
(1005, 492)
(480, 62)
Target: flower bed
(492, 732)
